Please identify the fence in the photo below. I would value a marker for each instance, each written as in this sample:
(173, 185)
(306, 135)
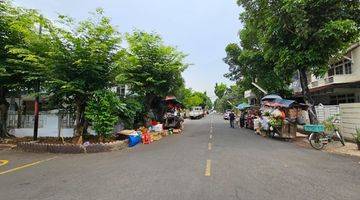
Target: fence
(324, 112)
(350, 118)
(24, 121)
(50, 123)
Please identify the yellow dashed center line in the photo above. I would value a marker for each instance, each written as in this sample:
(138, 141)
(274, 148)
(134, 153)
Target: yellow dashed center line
(3, 162)
(209, 146)
(210, 136)
(208, 168)
(25, 166)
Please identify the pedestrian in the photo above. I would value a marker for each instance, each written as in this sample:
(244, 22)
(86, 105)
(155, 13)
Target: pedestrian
(242, 119)
(232, 119)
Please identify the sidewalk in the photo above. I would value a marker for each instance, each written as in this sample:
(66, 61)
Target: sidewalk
(349, 149)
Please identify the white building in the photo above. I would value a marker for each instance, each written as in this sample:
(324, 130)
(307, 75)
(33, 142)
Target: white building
(340, 84)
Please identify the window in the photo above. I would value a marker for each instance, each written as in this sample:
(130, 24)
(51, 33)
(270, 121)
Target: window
(348, 68)
(342, 67)
(343, 98)
(121, 90)
(339, 70)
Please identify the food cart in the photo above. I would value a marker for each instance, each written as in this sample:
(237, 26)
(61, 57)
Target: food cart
(281, 116)
(172, 116)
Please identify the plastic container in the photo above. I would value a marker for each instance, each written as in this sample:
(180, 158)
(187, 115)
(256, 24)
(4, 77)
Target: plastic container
(158, 128)
(134, 140)
(315, 128)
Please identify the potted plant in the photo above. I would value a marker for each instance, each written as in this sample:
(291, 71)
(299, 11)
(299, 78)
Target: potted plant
(357, 137)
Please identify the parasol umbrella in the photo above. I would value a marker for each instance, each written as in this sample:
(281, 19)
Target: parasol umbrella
(172, 100)
(243, 106)
(271, 97)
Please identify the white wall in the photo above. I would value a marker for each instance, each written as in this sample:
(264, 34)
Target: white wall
(350, 118)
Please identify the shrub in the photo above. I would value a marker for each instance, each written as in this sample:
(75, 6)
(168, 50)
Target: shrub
(103, 112)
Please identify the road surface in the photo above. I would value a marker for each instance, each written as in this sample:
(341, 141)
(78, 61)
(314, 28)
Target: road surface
(208, 161)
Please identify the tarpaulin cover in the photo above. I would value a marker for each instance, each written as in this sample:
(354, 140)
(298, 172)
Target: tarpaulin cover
(285, 103)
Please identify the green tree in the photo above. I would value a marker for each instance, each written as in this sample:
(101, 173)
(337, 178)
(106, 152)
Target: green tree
(150, 68)
(82, 59)
(193, 100)
(302, 35)
(220, 90)
(103, 111)
(22, 54)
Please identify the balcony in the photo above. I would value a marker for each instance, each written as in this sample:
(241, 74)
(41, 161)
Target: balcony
(329, 79)
(345, 78)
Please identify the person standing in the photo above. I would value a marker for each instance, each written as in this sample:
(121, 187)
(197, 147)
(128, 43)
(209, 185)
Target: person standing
(232, 119)
(242, 119)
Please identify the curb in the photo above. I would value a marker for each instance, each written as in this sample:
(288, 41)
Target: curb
(71, 148)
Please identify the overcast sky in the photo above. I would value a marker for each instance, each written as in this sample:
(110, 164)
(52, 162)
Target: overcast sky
(200, 28)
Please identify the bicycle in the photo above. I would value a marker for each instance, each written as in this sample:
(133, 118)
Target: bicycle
(318, 138)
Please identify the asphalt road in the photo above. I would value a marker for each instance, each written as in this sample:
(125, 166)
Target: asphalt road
(237, 165)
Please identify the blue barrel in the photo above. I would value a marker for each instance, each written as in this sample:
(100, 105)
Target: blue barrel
(134, 140)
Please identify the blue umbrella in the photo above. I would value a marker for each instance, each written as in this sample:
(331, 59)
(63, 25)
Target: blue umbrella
(286, 103)
(271, 97)
(243, 106)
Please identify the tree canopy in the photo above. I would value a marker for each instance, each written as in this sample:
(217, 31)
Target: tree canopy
(22, 53)
(76, 62)
(281, 38)
(191, 98)
(82, 61)
(150, 68)
(220, 90)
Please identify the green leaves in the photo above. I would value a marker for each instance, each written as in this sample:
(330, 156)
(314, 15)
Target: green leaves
(192, 98)
(103, 112)
(220, 90)
(150, 67)
(281, 37)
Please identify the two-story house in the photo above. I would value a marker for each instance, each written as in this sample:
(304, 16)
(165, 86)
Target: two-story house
(341, 83)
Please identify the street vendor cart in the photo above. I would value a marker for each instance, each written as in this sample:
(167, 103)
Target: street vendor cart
(281, 115)
(172, 116)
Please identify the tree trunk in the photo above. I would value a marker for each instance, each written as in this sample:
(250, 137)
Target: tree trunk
(80, 121)
(4, 107)
(307, 96)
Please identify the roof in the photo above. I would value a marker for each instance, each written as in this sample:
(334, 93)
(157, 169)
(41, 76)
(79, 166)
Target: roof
(330, 86)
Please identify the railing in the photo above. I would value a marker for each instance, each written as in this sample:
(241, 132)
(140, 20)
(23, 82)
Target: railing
(315, 83)
(329, 79)
(26, 121)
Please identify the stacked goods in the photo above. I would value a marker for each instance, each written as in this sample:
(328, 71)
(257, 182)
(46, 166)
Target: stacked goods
(146, 135)
(146, 138)
(177, 131)
(155, 136)
(164, 133)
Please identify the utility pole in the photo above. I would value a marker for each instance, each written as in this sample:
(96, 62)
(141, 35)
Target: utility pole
(37, 99)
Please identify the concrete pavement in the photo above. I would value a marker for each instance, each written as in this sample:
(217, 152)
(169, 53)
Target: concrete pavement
(202, 163)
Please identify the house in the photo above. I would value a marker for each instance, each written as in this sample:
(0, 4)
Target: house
(340, 84)
(251, 97)
(121, 90)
